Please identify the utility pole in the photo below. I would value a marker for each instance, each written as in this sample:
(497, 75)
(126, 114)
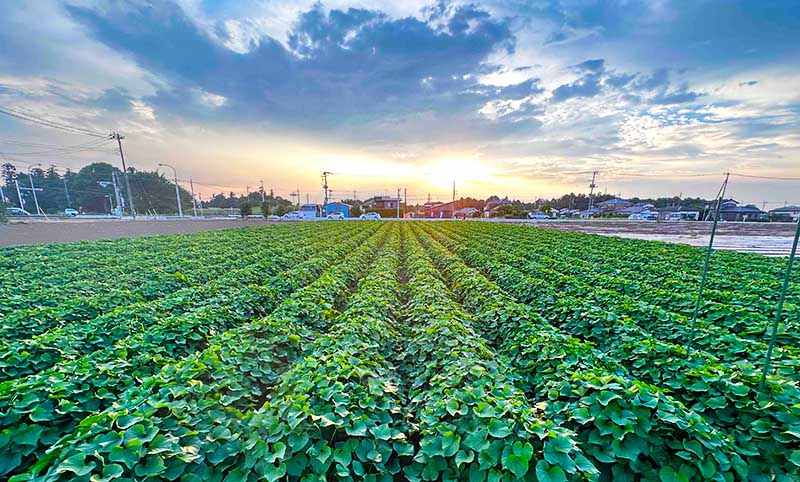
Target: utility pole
(405, 196)
(33, 189)
(118, 137)
(325, 185)
(429, 198)
(591, 191)
(355, 197)
(177, 189)
(19, 194)
(117, 194)
(194, 202)
(454, 192)
(398, 203)
(263, 194)
(66, 192)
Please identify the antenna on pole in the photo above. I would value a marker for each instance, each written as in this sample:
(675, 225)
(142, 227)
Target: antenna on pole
(325, 185)
(592, 186)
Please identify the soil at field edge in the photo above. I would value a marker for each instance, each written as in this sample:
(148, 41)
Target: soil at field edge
(40, 232)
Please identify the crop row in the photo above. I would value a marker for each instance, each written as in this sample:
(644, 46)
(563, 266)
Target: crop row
(761, 421)
(747, 309)
(732, 275)
(72, 340)
(604, 291)
(55, 280)
(197, 418)
(149, 286)
(627, 429)
(50, 403)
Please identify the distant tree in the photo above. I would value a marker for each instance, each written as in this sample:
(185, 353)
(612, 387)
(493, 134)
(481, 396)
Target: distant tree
(511, 211)
(245, 209)
(355, 211)
(3, 217)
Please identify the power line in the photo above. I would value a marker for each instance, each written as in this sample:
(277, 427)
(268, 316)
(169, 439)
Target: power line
(771, 178)
(26, 116)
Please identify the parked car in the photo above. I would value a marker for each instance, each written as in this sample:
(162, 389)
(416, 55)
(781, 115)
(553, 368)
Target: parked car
(335, 216)
(70, 213)
(17, 212)
(538, 215)
(291, 215)
(370, 216)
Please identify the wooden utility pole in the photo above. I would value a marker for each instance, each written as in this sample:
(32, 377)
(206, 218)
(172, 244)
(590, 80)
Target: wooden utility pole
(194, 202)
(118, 137)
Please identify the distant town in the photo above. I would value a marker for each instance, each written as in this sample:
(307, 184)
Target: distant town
(100, 189)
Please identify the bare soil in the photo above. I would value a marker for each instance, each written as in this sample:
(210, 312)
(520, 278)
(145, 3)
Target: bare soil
(770, 239)
(64, 231)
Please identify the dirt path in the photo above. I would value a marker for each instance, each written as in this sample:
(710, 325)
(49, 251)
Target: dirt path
(65, 231)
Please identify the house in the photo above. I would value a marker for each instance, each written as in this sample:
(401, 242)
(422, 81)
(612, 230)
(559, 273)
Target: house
(379, 203)
(785, 214)
(452, 209)
(337, 207)
(637, 208)
(731, 210)
(310, 211)
(386, 206)
(468, 212)
(589, 213)
(678, 214)
(614, 205)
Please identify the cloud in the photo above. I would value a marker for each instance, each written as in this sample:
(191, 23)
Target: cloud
(586, 86)
(340, 67)
(748, 83)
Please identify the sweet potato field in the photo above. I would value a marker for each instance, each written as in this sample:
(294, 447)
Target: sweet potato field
(387, 351)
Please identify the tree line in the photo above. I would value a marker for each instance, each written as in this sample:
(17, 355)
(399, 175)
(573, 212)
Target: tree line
(91, 190)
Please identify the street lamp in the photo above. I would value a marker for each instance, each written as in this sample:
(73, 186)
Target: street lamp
(33, 189)
(177, 190)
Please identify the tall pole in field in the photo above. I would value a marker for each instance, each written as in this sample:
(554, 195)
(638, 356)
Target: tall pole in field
(781, 300)
(118, 137)
(177, 189)
(194, 201)
(66, 191)
(398, 203)
(33, 189)
(704, 277)
(19, 194)
(591, 192)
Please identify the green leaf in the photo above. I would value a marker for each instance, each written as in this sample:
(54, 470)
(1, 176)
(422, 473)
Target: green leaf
(343, 454)
(477, 439)
(29, 435)
(382, 432)
(668, 474)
(549, 473)
(499, 429)
(517, 459)
(152, 466)
(110, 472)
(77, 465)
(795, 457)
(274, 472)
(359, 429)
(237, 475)
(464, 457)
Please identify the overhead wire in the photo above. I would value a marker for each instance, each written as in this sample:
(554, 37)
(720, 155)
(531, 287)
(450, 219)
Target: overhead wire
(29, 117)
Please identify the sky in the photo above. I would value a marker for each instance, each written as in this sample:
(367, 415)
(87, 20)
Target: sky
(517, 98)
